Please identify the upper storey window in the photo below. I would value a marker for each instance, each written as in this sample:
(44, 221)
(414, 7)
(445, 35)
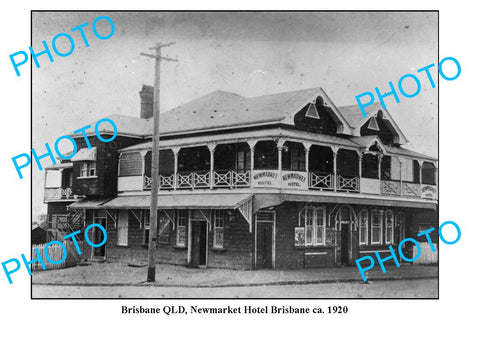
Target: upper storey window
(130, 164)
(372, 124)
(88, 169)
(312, 112)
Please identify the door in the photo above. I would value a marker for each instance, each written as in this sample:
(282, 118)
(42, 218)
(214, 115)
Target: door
(98, 237)
(346, 243)
(199, 244)
(264, 244)
(347, 236)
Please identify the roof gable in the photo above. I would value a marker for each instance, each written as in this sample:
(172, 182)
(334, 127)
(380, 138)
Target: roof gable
(356, 120)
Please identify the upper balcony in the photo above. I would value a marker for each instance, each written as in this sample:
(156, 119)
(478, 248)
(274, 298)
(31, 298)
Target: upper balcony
(58, 183)
(284, 162)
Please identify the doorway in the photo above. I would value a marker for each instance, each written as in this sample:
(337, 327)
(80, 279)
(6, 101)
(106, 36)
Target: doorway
(265, 241)
(347, 238)
(199, 244)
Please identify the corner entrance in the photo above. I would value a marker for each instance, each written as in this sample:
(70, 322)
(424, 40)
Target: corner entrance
(265, 240)
(199, 244)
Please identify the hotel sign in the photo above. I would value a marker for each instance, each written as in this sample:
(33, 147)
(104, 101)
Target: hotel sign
(294, 180)
(265, 178)
(286, 180)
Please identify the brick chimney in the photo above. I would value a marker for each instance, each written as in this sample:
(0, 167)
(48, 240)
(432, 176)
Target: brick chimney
(146, 102)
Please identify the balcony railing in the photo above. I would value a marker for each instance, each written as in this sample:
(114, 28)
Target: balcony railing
(348, 184)
(231, 178)
(321, 181)
(194, 180)
(58, 194)
(411, 189)
(397, 188)
(390, 188)
(297, 180)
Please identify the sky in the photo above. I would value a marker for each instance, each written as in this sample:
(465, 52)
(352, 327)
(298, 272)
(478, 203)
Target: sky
(249, 53)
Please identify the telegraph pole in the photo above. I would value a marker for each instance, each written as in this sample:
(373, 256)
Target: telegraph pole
(152, 237)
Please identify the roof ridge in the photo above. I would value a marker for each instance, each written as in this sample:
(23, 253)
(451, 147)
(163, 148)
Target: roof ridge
(285, 92)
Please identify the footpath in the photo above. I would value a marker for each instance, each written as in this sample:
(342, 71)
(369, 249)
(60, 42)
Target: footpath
(123, 274)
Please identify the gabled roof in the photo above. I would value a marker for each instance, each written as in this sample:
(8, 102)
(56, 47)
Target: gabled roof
(356, 120)
(225, 109)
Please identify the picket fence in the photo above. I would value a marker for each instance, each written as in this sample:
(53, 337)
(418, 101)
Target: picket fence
(55, 252)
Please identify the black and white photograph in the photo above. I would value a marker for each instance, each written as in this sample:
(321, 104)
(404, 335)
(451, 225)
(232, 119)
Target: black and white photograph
(270, 175)
(239, 170)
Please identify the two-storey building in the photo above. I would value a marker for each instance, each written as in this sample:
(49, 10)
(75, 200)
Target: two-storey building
(287, 180)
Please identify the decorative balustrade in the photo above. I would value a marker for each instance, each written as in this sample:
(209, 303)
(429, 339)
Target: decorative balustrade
(193, 180)
(348, 183)
(243, 178)
(390, 188)
(411, 189)
(322, 181)
(231, 178)
(165, 182)
(58, 194)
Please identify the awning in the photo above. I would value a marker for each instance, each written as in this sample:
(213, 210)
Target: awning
(89, 203)
(268, 200)
(183, 201)
(59, 166)
(86, 154)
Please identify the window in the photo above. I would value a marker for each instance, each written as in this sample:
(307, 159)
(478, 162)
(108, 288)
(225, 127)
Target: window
(363, 224)
(312, 112)
(370, 166)
(313, 233)
(146, 226)
(182, 222)
(163, 229)
(388, 227)
(219, 224)
(163, 234)
(377, 226)
(122, 233)
(319, 228)
(88, 169)
(243, 160)
(130, 164)
(372, 124)
(297, 157)
(400, 226)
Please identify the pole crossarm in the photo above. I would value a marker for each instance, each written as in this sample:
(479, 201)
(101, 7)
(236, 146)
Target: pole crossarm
(157, 57)
(160, 45)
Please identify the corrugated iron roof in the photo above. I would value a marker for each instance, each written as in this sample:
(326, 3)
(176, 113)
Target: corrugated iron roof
(225, 109)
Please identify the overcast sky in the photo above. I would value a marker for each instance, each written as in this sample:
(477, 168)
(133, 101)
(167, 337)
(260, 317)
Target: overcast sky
(247, 53)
